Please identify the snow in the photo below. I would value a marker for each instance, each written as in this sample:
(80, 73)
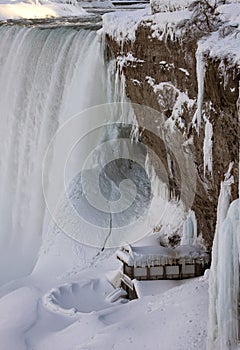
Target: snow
(169, 5)
(146, 288)
(121, 26)
(184, 71)
(42, 9)
(81, 297)
(180, 98)
(164, 25)
(113, 324)
(18, 313)
(116, 295)
(224, 43)
(158, 255)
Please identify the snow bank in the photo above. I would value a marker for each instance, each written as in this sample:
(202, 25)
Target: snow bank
(172, 320)
(145, 288)
(18, 313)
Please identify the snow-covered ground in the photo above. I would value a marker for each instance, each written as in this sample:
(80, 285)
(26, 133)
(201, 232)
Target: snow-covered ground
(79, 315)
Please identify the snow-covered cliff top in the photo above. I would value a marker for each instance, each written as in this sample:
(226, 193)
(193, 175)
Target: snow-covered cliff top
(122, 26)
(225, 42)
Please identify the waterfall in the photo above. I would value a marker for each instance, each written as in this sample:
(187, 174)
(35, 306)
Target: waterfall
(46, 76)
(60, 103)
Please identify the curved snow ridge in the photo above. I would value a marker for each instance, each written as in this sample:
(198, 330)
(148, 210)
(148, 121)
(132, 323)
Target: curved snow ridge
(86, 296)
(50, 301)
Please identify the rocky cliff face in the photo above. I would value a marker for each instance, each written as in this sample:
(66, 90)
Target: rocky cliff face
(162, 74)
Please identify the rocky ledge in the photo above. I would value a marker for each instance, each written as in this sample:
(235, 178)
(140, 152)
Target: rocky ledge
(193, 82)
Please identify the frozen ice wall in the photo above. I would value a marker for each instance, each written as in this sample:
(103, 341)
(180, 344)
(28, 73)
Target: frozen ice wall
(224, 274)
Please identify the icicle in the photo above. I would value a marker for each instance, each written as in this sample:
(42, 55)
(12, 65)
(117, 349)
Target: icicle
(159, 188)
(207, 147)
(201, 69)
(189, 236)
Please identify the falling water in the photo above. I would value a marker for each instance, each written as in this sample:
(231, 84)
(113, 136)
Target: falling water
(46, 76)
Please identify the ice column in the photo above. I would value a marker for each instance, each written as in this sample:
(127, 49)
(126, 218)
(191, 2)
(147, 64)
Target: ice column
(224, 273)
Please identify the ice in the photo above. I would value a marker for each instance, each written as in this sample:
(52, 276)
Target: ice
(189, 235)
(200, 69)
(159, 188)
(180, 99)
(224, 273)
(207, 147)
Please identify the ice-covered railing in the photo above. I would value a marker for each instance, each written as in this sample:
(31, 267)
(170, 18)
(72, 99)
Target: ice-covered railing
(224, 273)
(158, 255)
